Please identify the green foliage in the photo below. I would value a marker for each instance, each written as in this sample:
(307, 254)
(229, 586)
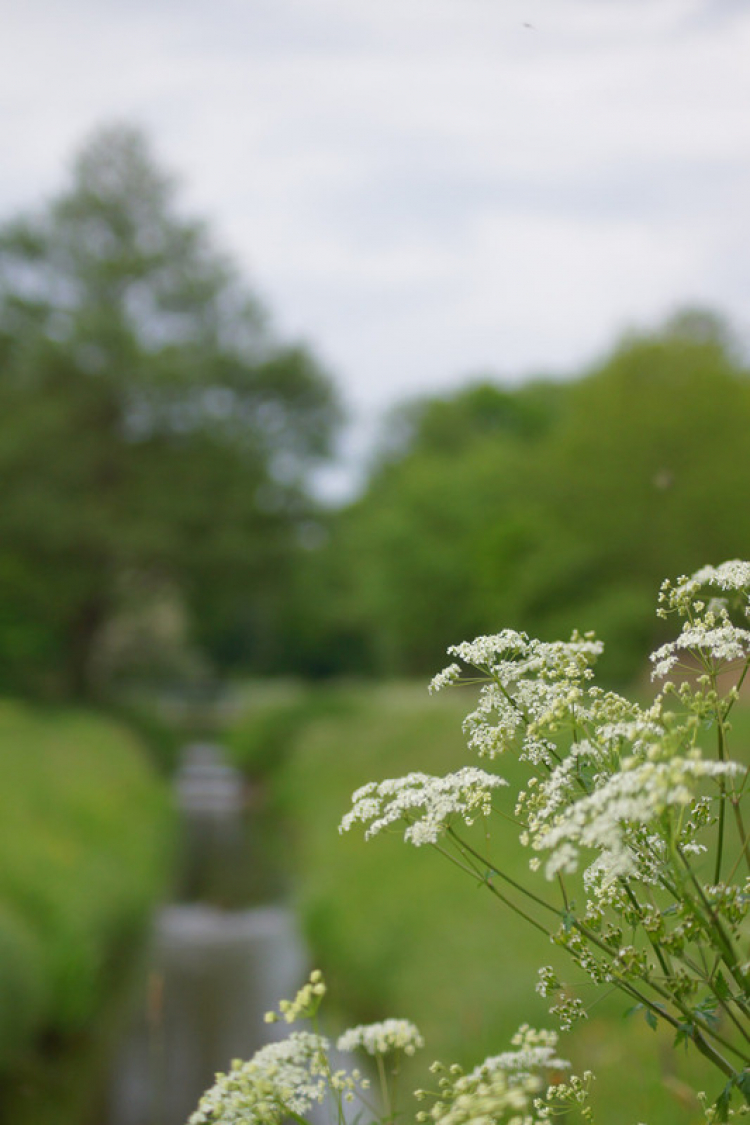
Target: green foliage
(550, 506)
(270, 718)
(85, 833)
(153, 434)
(639, 480)
(263, 732)
(162, 737)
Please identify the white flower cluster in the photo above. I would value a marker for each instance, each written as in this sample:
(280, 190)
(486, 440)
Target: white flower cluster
(425, 803)
(502, 722)
(621, 792)
(446, 678)
(382, 1038)
(286, 1076)
(708, 633)
(305, 1003)
(731, 576)
(534, 1048)
(510, 655)
(636, 795)
(487, 1099)
(530, 688)
(511, 1088)
(719, 641)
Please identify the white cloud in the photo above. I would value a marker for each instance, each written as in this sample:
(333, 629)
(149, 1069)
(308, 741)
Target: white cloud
(421, 187)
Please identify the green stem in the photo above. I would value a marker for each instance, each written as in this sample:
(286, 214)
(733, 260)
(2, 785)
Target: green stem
(721, 753)
(708, 980)
(485, 882)
(700, 1028)
(384, 1088)
(294, 1116)
(334, 1093)
(705, 1048)
(654, 943)
(738, 687)
(725, 944)
(501, 875)
(741, 829)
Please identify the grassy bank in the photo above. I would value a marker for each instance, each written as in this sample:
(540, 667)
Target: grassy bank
(400, 932)
(84, 844)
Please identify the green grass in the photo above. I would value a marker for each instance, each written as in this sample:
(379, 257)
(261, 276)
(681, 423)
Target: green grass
(85, 833)
(400, 932)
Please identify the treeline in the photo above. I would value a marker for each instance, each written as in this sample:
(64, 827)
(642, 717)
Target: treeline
(155, 436)
(157, 441)
(546, 507)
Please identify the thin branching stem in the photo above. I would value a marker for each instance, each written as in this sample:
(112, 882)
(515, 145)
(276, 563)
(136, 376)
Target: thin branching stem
(502, 875)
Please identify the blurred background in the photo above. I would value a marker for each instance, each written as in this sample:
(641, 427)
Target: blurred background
(330, 335)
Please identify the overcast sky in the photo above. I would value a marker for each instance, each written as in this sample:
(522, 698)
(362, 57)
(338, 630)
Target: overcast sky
(422, 189)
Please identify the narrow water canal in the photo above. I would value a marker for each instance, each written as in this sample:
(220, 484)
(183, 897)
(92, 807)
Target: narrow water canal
(222, 955)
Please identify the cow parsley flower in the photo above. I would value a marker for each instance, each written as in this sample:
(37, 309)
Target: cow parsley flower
(636, 796)
(731, 576)
(427, 804)
(509, 656)
(446, 678)
(305, 1003)
(286, 1076)
(486, 1099)
(722, 642)
(512, 1087)
(381, 1038)
(531, 690)
(534, 1048)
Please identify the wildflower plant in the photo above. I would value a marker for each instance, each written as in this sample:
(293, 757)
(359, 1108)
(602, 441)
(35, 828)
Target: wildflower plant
(632, 816)
(284, 1080)
(633, 820)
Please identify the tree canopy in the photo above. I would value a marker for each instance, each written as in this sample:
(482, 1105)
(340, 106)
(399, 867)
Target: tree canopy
(154, 434)
(551, 506)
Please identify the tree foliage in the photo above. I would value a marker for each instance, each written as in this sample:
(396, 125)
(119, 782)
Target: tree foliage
(552, 505)
(154, 436)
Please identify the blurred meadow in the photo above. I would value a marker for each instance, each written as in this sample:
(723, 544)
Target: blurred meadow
(173, 573)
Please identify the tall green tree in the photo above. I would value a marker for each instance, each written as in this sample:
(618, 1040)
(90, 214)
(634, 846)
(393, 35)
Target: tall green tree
(154, 435)
(552, 506)
(642, 478)
(419, 559)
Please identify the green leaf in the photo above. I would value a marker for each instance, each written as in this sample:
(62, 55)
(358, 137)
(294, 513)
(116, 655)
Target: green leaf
(568, 921)
(721, 1105)
(651, 1020)
(721, 986)
(742, 1082)
(706, 1009)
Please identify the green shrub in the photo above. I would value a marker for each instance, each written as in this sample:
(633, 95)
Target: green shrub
(85, 846)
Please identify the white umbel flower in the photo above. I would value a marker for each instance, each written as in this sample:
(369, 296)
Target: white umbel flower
(425, 803)
(382, 1038)
(283, 1076)
(636, 796)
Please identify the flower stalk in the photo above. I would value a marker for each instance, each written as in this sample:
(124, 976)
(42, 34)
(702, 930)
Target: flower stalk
(622, 806)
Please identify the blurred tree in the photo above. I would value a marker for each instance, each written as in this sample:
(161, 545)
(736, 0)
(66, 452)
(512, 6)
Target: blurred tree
(640, 481)
(153, 434)
(456, 423)
(419, 559)
(550, 506)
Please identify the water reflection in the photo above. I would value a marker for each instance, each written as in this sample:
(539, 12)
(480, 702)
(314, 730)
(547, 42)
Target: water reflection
(218, 963)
